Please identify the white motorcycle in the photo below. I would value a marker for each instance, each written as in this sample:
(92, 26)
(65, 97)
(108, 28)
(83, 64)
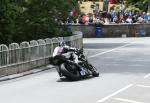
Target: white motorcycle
(72, 63)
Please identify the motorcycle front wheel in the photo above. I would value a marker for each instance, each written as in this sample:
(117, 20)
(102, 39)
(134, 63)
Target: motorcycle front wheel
(70, 71)
(94, 71)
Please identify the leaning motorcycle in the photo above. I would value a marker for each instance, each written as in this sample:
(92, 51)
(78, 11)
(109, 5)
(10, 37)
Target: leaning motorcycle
(65, 65)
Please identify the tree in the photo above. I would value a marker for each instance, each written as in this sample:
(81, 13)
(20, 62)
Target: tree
(42, 18)
(8, 14)
(141, 4)
(34, 19)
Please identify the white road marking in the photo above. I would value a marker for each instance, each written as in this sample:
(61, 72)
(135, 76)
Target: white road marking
(146, 76)
(115, 93)
(110, 50)
(144, 86)
(126, 100)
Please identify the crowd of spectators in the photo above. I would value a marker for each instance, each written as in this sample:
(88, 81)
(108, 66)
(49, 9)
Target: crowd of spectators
(120, 16)
(112, 17)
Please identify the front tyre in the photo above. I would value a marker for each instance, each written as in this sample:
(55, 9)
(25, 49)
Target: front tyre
(95, 74)
(94, 71)
(70, 71)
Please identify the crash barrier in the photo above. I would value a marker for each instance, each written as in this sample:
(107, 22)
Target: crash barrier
(18, 58)
(113, 30)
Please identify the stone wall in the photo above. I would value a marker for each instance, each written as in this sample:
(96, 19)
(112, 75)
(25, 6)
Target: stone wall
(113, 30)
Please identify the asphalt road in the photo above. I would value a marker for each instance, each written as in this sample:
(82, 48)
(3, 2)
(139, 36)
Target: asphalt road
(124, 65)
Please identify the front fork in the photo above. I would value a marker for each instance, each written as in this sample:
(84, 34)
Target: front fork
(88, 68)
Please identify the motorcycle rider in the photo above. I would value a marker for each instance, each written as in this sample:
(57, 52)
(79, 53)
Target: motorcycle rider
(68, 52)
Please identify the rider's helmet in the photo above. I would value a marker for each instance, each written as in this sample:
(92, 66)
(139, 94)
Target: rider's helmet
(65, 47)
(62, 43)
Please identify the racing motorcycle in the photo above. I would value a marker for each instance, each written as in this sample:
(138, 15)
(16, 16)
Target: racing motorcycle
(72, 63)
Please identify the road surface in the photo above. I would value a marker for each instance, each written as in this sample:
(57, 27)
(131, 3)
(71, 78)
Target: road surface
(124, 65)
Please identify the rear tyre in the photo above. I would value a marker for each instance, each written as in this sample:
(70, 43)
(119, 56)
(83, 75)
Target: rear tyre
(70, 72)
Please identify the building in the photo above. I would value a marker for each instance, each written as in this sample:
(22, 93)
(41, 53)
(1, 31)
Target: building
(91, 6)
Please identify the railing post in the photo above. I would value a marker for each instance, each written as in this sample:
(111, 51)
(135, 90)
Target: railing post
(24, 56)
(14, 56)
(49, 49)
(3, 59)
(34, 48)
(42, 52)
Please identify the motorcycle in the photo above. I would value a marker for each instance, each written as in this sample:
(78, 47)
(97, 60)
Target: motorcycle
(66, 66)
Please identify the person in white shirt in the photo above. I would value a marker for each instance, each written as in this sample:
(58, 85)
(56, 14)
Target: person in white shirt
(140, 19)
(129, 19)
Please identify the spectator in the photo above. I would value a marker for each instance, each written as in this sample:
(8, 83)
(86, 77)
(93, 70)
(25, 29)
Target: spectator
(140, 19)
(122, 8)
(106, 21)
(134, 19)
(91, 19)
(129, 20)
(80, 19)
(113, 14)
(145, 16)
(83, 19)
(115, 19)
(87, 19)
(148, 18)
(98, 22)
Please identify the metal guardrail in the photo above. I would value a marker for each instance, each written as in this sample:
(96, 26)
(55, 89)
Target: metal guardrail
(17, 58)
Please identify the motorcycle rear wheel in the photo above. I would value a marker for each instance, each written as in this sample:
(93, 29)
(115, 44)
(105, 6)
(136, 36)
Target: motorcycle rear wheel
(70, 74)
